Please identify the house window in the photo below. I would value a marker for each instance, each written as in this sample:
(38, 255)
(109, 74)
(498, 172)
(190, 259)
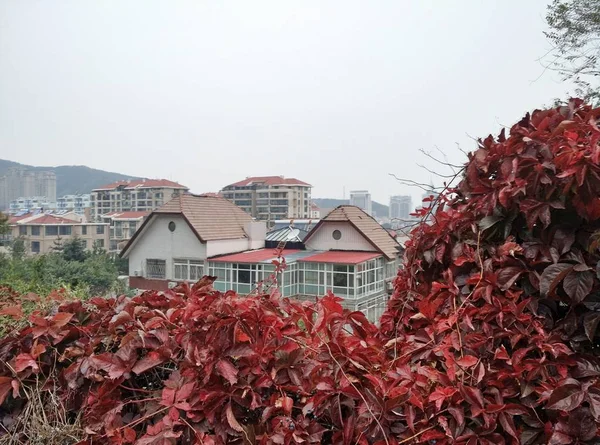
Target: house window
(99, 230)
(243, 274)
(35, 230)
(172, 226)
(51, 230)
(84, 230)
(22, 230)
(35, 247)
(65, 230)
(155, 268)
(337, 235)
(189, 270)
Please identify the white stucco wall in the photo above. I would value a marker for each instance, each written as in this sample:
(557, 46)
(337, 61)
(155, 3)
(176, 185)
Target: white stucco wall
(158, 242)
(351, 238)
(221, 247)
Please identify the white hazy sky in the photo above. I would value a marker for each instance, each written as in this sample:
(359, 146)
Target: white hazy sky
(336, 93)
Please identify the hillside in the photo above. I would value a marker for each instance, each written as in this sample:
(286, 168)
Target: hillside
(329, 203)
(72, 179)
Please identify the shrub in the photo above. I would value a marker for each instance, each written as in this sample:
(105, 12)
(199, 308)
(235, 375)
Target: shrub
(490, 336)
(494, 318)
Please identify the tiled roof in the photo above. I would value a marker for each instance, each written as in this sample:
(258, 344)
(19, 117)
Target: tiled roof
(269, 180)
(48, 219)
(340, 257)
(211, 217)
(126, 215)
(141, 183)
(365, 224)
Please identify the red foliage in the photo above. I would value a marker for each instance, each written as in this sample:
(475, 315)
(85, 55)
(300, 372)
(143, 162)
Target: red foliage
(499, 303)
(490, 337)
(198, 366)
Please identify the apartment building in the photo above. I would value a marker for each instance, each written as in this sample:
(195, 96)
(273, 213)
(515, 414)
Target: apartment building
(401, 207)
(31, 203)
(122, 227)
(362, 200)
(141, 195)
(268, 198)
(43, 232)
(76, 203)
(21, 182)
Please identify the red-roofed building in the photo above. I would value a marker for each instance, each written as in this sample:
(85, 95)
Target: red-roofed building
(43, 232)
(268, 198)
(140, 195)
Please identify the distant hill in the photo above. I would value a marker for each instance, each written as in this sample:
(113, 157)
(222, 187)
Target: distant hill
(71, 179)
(326, 204)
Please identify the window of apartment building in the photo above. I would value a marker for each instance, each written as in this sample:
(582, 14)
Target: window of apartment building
(84, 230)
(113, 244)
(99, 243)
(65, 230)
(35, 230)
(99, 230)
(369, 277)
(156, 268)
(22, 230)
(35, 247)
(51, 230)
(191, 270)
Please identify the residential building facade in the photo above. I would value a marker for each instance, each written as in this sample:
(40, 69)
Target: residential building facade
(76, 203)
(269, 198)
(175, 240)
(143, 195)
(43, 232)
(122, 227)
(401, 207)
(346, 252)
(362, 200)
(31, 203)
(21, 182)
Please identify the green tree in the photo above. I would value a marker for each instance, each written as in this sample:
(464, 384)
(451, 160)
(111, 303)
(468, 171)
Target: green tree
(17, 249)
(575, 33)
(57, 246)
(4, 227)
(74, 250)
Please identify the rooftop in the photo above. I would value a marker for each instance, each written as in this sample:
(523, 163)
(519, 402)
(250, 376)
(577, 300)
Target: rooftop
(365, 224)
(266, 256)
(141, 183)
(269, 180)
(126, 215)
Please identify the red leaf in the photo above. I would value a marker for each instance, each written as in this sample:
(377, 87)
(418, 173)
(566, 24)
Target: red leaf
(5, 387)
(508, 275)
(13, 311)
(578, 285)
(552, 276)
(566, 397)
(467, 361)
(231, 420)
(148, 362)
(24, 361)
(227, 370)
(61, 319)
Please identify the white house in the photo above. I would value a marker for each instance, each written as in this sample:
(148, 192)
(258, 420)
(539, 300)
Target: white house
(175, 240)
(347, 252)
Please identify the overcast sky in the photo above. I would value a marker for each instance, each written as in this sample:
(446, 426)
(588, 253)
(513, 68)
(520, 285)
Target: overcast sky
(335, 93)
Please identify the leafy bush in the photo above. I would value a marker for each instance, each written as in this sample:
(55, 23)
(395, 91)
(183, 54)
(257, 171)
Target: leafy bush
(490, 336)
(494, 319)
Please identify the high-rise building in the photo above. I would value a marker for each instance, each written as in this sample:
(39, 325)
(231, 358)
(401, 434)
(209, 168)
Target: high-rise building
(140, 195)
(20, 182)
(269, 198)
(401, 207)
(362, 200)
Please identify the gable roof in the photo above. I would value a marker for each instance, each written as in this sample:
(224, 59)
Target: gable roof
(141, 183)
(269, 180)
(209, 217)
(126, 215)
(366, 225)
